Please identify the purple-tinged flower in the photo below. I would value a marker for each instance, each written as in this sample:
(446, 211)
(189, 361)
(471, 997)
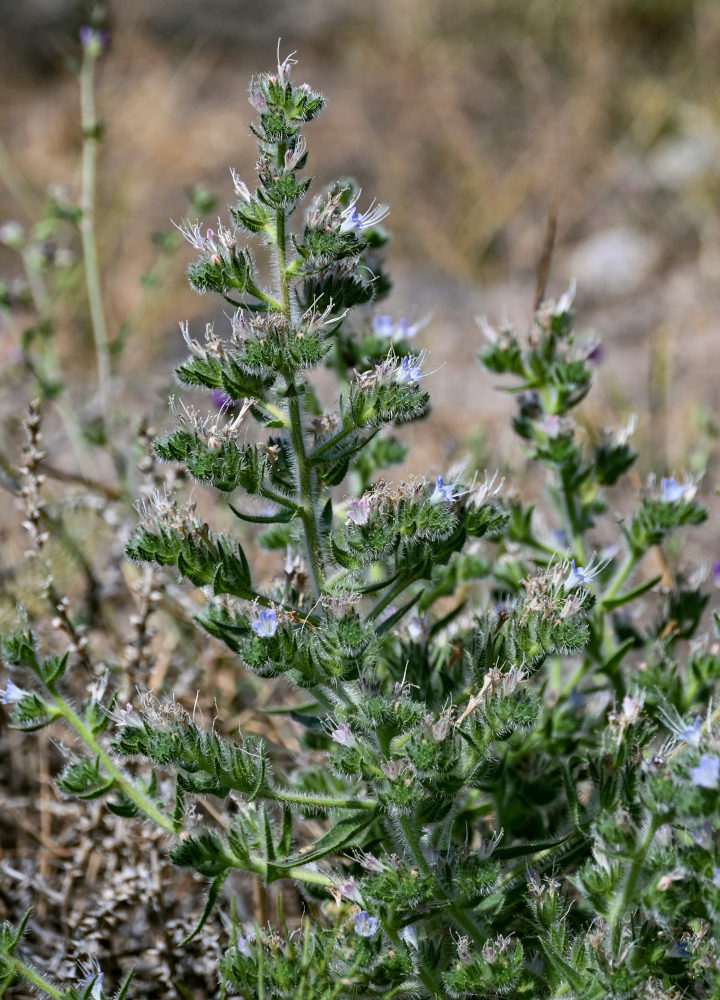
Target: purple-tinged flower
(582, 575)
(371, 864)
(343, 735)
(551, 425)
(293, 156)
(12, 694)
(365, 925)
(443, 493)
(93, 41)
(706, 774)
(596, 354)
(284, 66)
(241, 188)
(487, 846)
(350, 890)
(359, 511)
(691, 734)
(716, 573)
(192, 233)
(266, 623)
(221, 399)
(352, 221)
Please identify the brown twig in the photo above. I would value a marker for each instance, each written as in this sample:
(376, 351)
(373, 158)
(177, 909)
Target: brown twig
(543, 268)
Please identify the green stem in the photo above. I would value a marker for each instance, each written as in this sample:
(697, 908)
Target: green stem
(306, 492)
(87, 233)
(139, 798)
(275, 411)
(304, 473)
(620, 903)
(620, 576)
(399, 587)
(264, 297)
(319, 801)
(38, 981)
(457, 915)
(568, 495)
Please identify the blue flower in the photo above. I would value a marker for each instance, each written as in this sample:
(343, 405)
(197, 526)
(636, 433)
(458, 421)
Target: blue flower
(444, 493)
(365, 925)
(706, 774)
(92, 977)
(385, 328)
(12, 694)
(409, 371)
(582, 575)
(266, 623)
(691, 734)
(671, 490)
(352, 221)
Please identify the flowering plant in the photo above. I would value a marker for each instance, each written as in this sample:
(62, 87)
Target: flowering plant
(509, 779)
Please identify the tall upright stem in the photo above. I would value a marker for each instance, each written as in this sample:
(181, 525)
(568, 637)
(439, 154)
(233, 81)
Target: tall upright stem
(87, 233)
(305, 474)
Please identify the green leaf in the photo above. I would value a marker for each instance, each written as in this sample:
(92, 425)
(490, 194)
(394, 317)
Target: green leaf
(213, 893)
(617, 602)
(341, 835)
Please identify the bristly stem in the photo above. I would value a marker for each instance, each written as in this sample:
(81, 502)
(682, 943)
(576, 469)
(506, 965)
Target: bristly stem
(143, 802)
(304, 472)
(87, 232)
(39, 982)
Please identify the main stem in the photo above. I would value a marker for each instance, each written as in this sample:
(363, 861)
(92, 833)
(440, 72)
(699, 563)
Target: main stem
(621, 902)
(304, 471)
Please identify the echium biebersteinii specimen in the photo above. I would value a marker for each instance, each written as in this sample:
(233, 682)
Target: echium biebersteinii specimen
(510, 805)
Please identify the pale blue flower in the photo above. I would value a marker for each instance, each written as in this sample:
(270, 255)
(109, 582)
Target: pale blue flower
(443, 493)
(244, 945)
(92, 975)
(365, 925)
(12, 694)
(410, 371)
(387, 329)
(706, 774)
(691, 734)
(352, 221)
(716, 877)
(582, 575)
(266, 623)
(671, 489)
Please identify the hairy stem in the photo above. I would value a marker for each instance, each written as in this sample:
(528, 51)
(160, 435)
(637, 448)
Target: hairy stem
(139, 798)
